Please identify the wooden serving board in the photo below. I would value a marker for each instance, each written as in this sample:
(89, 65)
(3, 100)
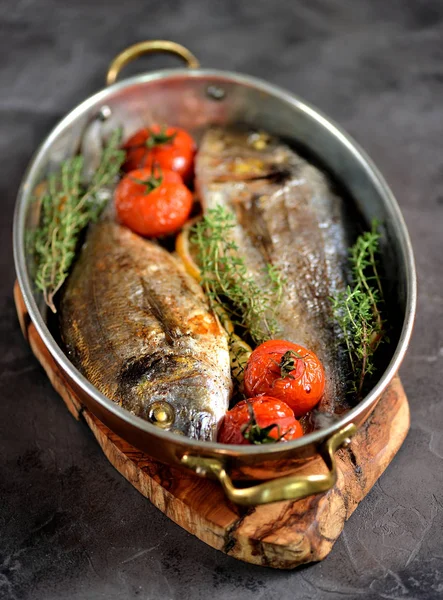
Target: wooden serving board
(281, 535)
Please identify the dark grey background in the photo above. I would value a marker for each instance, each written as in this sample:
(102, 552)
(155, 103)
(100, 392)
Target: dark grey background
(70, 526)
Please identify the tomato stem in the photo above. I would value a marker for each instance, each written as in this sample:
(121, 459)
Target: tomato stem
(287, 363)
(255, 434)
(156, 139)
(151, 183)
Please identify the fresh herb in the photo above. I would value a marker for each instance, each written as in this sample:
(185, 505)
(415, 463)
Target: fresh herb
(287, 363)
(226, 281)
(66, 207)
(358, 309)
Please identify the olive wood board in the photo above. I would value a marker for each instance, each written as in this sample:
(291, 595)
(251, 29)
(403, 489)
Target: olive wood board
(282, 535)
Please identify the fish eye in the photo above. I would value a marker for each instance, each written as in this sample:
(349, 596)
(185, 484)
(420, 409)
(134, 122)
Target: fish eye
(161, 414)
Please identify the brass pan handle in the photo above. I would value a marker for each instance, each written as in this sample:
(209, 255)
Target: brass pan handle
(292, 487)
(149, 47)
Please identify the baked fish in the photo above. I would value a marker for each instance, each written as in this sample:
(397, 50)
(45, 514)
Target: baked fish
(288, 216)
(139, 329)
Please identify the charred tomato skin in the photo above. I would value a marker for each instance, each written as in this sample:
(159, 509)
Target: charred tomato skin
(175, 154)
(156, 212)
(301, 388)
(267, 411)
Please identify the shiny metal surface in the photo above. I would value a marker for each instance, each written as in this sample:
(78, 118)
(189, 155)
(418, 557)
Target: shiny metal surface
(183, 98)
(149, 47)
(281, 488)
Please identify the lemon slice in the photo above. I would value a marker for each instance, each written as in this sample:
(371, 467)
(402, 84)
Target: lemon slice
(183, 249)
(239, 352)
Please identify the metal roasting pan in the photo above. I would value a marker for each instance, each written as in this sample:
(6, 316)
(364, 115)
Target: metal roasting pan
(194, 98)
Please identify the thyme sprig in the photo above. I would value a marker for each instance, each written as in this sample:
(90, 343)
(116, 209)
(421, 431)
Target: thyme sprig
(227, 282)
(358, 310)
(66, 207)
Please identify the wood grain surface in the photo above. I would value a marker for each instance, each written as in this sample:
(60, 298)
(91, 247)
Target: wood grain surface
(282, 535)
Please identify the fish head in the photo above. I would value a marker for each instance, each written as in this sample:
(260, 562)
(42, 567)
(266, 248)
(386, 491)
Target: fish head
(175, 393)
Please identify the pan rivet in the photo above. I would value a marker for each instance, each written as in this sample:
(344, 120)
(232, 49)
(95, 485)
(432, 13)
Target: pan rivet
(215, 92)
(104, 113)
(346, 442)
(161, 414)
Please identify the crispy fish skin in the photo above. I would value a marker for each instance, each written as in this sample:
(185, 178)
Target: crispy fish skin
(288, 216)
(139, 328)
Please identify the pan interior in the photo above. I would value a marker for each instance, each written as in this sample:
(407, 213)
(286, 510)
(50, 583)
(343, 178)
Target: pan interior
(194, 100)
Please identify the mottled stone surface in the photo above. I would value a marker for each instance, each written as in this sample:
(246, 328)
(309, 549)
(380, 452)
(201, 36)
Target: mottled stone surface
(70, 526)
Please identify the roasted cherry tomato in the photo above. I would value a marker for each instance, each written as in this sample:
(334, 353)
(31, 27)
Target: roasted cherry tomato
(286, 371)
(153, 203)
(168, 147)
(261, 420)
